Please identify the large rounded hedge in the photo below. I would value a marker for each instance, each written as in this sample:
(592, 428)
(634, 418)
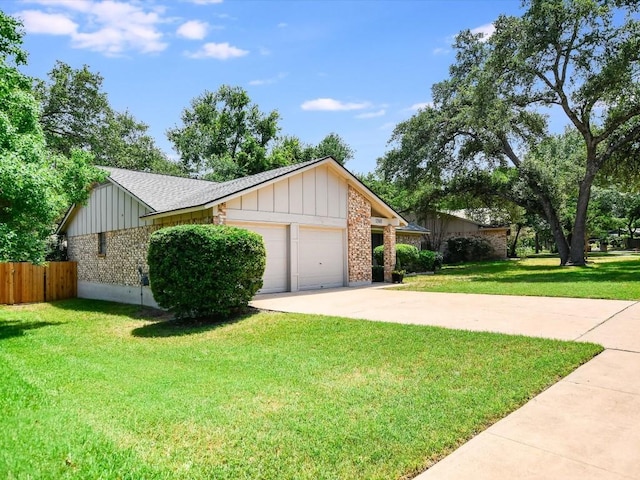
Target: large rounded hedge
(205, 270)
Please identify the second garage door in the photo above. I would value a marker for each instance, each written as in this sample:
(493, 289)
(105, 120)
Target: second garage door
(321, 258)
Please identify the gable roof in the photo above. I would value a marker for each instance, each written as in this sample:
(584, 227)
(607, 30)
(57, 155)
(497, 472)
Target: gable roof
(158, 192)
(168, 195)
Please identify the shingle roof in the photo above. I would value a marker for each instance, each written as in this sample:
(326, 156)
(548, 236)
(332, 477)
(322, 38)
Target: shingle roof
(159, 192)
(413, 228)
(164, 193)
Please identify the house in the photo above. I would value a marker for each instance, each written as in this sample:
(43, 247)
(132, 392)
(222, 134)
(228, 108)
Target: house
(443, 225)
(315, 218)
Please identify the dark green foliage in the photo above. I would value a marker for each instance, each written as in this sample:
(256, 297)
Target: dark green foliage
(377, 273)
(205, 270)
(468, 249)
(406, 256)
(428, 261)
(378, 255)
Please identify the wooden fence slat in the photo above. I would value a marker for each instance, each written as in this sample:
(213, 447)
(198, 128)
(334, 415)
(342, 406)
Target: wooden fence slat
(6, 283)
(26, 283)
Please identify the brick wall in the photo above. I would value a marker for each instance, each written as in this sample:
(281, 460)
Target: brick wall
(359, 237)
(497, 239)
(126, 250)
(415, 240)
(389, 251)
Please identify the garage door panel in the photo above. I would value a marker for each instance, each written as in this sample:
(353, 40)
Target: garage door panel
(276, 271)
(321, 259)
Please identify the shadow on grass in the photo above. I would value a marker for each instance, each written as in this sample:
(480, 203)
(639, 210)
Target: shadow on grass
(189, 326)
(111, 308)
(16, 328)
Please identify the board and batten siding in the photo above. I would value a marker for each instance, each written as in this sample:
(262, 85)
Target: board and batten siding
(109, 208)
(316, 194)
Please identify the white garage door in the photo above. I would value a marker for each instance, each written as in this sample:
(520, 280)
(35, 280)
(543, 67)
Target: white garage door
(321, 260)
(276, 242)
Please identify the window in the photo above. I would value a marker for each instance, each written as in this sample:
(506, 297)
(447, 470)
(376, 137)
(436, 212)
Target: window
(102, 243)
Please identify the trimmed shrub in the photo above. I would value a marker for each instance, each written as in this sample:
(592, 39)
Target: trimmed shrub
(468, 249)
(406, 256)
(378, 255)
(428, 261)
(205, 270)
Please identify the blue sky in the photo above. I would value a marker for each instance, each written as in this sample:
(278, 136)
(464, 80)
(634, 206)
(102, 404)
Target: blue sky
(356, 68)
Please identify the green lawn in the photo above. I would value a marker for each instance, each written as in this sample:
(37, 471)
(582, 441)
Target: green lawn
(612, 277)
(90, 390)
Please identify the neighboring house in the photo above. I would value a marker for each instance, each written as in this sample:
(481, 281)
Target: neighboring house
(315, 218)
(443, 226)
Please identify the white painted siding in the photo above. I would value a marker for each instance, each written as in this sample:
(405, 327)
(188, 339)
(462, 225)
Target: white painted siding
(109, 208)
(318, 193)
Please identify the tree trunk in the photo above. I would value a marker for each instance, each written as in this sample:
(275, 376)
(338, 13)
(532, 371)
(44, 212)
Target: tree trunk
(512, 250)
(537, 242)
(556, 228)
(553, 221)
(580, 224)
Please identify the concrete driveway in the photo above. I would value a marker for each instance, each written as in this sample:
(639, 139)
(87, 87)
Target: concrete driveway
(587, 426)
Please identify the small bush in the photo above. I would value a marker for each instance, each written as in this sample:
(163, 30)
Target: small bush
(406, 256)
(205, 270)
(468, 249)
(428, 261)
(378, 255)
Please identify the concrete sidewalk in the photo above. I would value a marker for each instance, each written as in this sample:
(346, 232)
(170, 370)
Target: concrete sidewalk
(587, 426)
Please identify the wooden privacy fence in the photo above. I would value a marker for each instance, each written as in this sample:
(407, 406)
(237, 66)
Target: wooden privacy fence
(27, 283)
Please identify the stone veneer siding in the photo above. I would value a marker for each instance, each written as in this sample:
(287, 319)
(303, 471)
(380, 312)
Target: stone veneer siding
(359, 237)
(126, 250)
(415, 240)
(389, 251)
(497, 239)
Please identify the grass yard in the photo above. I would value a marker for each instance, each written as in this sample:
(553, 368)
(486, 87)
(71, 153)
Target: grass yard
(90, 390)
(612, 277)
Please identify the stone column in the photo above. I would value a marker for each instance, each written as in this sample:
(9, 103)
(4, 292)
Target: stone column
(389, 251)
(220, 218)
(359, 239)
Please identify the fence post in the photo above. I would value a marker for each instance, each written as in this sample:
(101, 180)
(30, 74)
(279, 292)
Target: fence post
(11, 283)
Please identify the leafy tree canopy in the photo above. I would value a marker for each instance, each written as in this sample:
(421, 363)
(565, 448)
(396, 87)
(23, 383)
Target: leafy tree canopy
(224, 134)
(577, 57)
(36, 186)
(76, 114)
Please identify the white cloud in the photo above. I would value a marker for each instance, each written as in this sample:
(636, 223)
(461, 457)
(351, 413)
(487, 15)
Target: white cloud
(441, 51)
(379, 113)
(268, 81)
(282, 25)
(219, 51)
(36, 21)
(331, 105)
(106, 26)
(193, 30)
(486, 30)
(205, 2)
(419, 106)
